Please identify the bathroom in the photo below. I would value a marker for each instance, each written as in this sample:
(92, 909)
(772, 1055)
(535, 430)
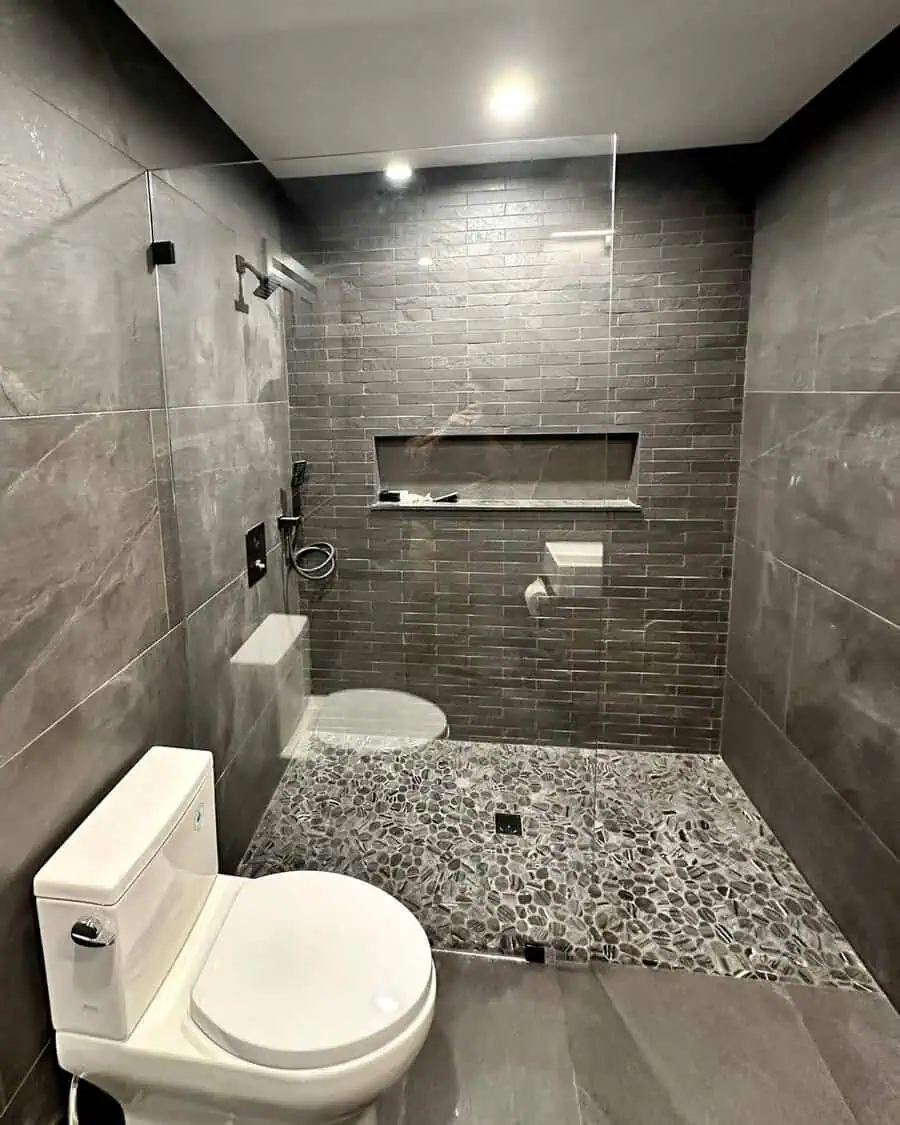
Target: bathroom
(645, 816)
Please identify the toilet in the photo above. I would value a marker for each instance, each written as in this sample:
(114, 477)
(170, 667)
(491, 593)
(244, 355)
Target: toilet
(196, 998)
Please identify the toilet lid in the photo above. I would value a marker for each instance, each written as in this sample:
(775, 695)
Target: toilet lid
(312, 969)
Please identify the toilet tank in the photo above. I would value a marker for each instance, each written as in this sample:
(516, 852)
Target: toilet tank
(117, 901)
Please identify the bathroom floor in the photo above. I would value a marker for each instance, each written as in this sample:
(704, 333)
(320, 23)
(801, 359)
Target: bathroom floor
(516, 1044)
(632, 858)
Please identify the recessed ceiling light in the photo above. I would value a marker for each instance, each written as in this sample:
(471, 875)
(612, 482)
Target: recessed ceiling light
(398, 171)
(426, 260)
(512, 100)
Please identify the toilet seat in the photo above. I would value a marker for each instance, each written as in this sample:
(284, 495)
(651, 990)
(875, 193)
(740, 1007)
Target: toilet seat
(312, 969)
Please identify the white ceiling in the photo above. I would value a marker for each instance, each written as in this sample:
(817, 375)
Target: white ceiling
(322, 78)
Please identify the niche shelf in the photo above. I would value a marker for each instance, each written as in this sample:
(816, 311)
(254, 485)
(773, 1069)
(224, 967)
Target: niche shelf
(499, 472)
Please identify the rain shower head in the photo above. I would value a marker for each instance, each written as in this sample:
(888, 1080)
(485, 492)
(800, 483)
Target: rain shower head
(266, 284)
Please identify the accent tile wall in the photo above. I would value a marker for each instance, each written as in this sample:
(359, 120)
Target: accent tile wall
(501, 329)
(118, 590)
(813, 704)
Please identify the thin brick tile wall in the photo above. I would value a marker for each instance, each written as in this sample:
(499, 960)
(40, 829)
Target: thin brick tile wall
(448, 308)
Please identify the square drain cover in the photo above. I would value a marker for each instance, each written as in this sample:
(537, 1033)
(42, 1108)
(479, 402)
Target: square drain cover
(507, 824)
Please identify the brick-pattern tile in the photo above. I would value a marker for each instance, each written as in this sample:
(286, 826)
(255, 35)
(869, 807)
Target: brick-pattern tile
(508, 330)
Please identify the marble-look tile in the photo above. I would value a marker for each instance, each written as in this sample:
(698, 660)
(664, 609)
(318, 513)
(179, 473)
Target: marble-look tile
(245, 788)
(781, 340)
(817, 491)
(96, 66)
(858, 321)
(229, 464)
(227, 700)
(498, 1051)
(74, 228)
(165, 492)
(262, 337)
(763, 604)
(45, 792)
(726, 1051)
(844, 708)
(201, 328)
(634, 858)
(615, 1082)
(83, 588)
(41, 1096)
(859, 1039)
(856, 877)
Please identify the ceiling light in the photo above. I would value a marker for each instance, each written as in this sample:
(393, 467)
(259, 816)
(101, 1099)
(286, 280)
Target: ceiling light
(398, 171)
(512, 100)
(426, 261)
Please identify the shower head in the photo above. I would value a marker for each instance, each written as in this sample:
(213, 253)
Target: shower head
(267, 286)
(266, 283)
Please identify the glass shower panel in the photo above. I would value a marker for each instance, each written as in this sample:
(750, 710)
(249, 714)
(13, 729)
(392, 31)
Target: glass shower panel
(426, 390)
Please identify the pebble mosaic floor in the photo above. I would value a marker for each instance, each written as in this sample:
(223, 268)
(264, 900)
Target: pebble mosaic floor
(629, 857)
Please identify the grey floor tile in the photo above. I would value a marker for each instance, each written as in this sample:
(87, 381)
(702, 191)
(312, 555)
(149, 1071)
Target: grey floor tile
(616, 1084)
(859, 1038)
(498, 1052)
(727, 1052)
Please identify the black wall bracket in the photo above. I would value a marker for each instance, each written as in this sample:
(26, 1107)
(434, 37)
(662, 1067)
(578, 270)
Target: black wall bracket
(160, 254)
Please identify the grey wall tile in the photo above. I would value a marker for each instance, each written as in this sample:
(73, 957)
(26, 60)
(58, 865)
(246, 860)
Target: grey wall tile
(511, 335)
(782, 337)
(854, 874)
(763, 605)
(95, 65)
(229, 463)
(821, 493)
(84, 590)
(201, 327)
(226, 701)
(78, 321)
(844, 707)
(45, 791)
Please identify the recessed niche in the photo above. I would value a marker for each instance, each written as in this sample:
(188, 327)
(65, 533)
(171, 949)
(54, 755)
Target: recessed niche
(508, 470)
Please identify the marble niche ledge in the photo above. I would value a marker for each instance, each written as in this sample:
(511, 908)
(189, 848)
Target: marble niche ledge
(611, 504)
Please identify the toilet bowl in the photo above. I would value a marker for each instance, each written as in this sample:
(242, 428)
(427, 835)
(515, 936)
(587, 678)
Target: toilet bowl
(193, 997)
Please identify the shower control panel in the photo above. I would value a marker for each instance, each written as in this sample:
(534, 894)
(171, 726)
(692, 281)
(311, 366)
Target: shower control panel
(257, 564)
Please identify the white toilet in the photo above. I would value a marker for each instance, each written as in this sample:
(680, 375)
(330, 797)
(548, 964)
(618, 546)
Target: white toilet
(193, 997)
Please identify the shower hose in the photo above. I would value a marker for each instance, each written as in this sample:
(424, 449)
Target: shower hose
(315, 561)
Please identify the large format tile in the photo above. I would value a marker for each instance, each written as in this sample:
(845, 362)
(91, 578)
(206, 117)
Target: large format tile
(44, 793)
(616, 1082)
(247, 785)
(83, 587)
(763, 604)
(74, 229)
(201, 327)
(98, 67)
(854, 874)
(725, 1051)
(781, 341)
(818, 482)
(844, 707)
(859, 1039)
(498, 1052)
(229, 463)
(858, 321)
(227, 700)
